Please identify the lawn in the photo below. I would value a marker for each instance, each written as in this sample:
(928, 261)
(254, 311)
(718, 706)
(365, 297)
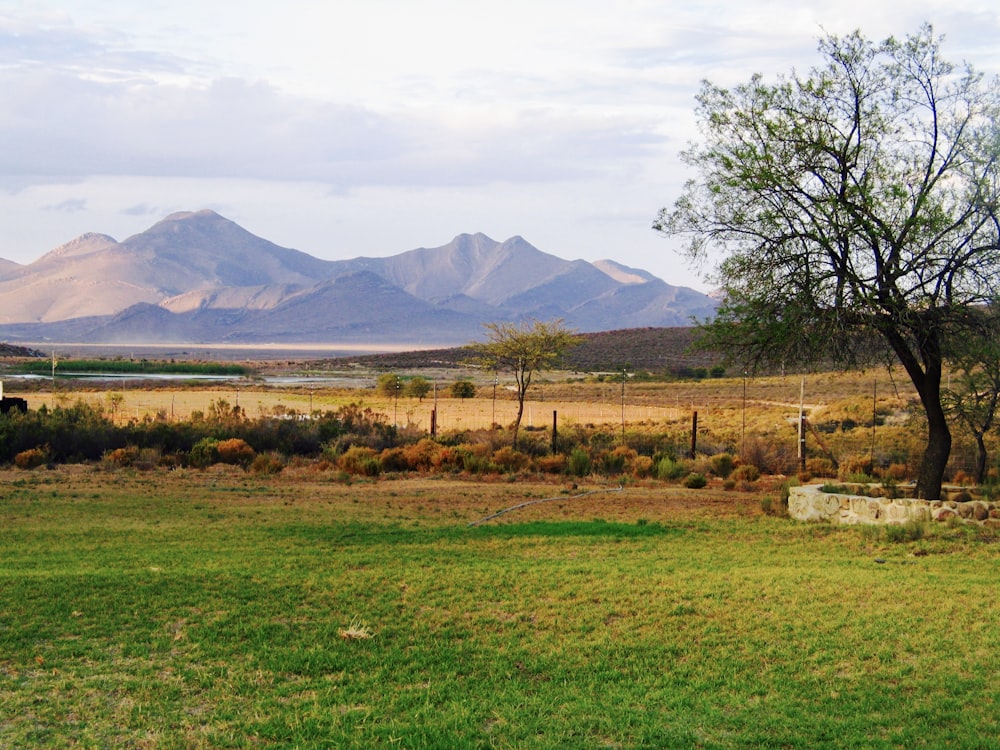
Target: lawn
(193, 609)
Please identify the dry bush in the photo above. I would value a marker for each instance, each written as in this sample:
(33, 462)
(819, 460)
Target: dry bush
(820, 467)
(508, 459)
(394, 459)
(767, 455)
(554, 464)
(446, 459)
(853, 466)
(897, 472)
(616, 461)
(120, 457)
(32, 458)
(962, 479)
(360, 460)
(745, 473)
(267, 464)
(642, 467)
(421, 456)
(235, 451)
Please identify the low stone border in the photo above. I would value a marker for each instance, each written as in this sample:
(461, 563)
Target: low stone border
(808, 503)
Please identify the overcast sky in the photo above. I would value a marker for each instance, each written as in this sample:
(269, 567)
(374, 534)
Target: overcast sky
(370, 127)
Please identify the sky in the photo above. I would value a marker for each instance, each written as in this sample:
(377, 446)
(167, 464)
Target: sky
(348, 128)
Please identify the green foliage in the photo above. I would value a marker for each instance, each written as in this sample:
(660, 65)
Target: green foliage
(417, 387)
(204, 453)
(133, 367)
(794, 175)
(463, 389)
(389, 384)
(911, 531)
(670, 469)
(579, 463)
(695, 481)
(522, 349)
(722, 464)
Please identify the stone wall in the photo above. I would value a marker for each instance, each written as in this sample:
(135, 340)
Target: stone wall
(808, 503)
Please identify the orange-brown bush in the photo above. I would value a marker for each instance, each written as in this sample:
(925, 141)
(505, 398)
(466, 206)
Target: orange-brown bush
(235, 451)
(745, 473)
(820, 467)
(31, 458)
(554, 464)
(855, 465)
(642, 467)
(508, 459)
(896, 471)
(121, 457)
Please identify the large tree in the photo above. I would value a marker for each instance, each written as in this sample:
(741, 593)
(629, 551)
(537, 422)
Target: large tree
(853, 204)
(522, 349)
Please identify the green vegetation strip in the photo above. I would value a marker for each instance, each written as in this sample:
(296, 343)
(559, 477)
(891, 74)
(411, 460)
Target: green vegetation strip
(240, 612)
(132, 367)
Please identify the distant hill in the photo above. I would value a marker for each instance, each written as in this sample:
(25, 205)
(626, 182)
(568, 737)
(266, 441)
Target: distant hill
(655, 350)
(196, 277)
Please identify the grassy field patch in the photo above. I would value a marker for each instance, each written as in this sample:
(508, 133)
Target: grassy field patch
(208, 609)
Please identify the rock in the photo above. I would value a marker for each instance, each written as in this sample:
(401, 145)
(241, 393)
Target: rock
(943, 514)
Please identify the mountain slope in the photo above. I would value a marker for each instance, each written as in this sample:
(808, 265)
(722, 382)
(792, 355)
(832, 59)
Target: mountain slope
(95, 275)
(196, 276)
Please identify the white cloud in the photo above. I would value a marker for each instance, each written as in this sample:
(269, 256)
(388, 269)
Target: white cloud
(374, 127)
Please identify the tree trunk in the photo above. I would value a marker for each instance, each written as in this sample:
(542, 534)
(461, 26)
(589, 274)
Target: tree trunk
(517, 421)
(936, 454)
(927, 381)
(980, 458)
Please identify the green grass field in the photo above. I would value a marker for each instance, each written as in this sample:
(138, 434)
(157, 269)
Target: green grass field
(217, 609)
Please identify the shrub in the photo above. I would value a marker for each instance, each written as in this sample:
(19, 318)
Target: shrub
(579, 463)
(642, 467)
(394, 459)
(508, 459)
(695, 481)
(821, 467)
(853, 466)
(746, 473)
(32, 458)
(476, 464)
(768, 456)
(668, 469)
(204, 453)
(265, 463)
(421, 456)
(360, 460)
(722, 464)
(121, 457)
(616, 461)
(554, 464)
(235, 451)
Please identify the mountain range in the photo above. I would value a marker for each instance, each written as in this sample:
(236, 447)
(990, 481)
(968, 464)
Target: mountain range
(198, 277)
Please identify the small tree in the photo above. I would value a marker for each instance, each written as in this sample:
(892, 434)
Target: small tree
(523, 349)
(388, 384)
(463, 389)
(974, 395)
(417, 387)
(854, 205)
